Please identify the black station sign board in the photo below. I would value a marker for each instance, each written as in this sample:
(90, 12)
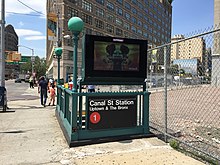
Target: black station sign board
(112, 112)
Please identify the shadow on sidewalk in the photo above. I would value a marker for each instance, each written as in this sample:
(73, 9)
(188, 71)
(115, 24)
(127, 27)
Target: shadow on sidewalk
(7, 111)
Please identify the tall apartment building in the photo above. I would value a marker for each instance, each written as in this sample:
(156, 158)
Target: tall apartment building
(146, 19)
(11, 44)
(189, 49)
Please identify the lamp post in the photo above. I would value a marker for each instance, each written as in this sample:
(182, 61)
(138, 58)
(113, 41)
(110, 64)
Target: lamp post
(58, 53)
(32, 58)
(75, 25)
(2, 47)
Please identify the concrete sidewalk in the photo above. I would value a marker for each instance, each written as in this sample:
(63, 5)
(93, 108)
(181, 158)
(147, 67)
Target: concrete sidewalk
(30, 134)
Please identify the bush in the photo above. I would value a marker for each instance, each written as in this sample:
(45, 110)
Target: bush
(174, 144)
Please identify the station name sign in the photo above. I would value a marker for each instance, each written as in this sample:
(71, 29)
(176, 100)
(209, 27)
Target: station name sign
(112, 112)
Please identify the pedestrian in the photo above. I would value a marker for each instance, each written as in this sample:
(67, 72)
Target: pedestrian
(52, 95)
(70, 83)
(51, 81)
(91, 88)
(31, 81)
(42, 89)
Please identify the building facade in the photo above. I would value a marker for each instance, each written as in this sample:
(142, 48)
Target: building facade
(11, 44)
(189, 49)
(147, 19)
(216, 47)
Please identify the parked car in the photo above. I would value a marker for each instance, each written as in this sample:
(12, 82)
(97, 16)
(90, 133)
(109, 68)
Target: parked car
(17, 80)
(150, 83)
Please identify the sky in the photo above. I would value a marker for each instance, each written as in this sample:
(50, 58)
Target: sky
(188, 16)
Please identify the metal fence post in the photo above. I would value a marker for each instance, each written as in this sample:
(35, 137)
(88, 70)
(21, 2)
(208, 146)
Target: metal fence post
(165, 93)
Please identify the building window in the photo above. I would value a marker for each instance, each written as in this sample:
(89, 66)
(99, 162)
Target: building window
(110, 6)
(72, 12)
(70, 55)
(146, 10)
(119, 32)
(139, 23)
(127, 16)
(110, 17)
(134, 29)
(120, 1)
(110, 28)
(86, 5)
(133, 20)
(134, 11)
(73, 1)
(99, 24)
(87, 18)
(140, 15)
(119, 11)
(140, 5)
(126, 26)
(100, 12)
(146, 2)
(145, 27)
(134, 1)
(88, 31)
(118, 22)
(139, 32)
(127, 6)
(100, 2)
(145, 35)
(126, 34)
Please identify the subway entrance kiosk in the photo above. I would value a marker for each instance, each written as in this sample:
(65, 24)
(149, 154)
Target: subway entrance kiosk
(107, 114)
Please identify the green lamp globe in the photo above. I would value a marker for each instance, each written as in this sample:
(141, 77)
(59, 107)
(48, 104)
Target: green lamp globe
(75, 24)
(58, 51)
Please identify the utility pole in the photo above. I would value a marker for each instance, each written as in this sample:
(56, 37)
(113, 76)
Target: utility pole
(2, 52)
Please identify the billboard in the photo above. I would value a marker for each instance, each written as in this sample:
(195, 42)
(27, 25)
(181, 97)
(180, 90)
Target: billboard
(115, 59)
(52, 26)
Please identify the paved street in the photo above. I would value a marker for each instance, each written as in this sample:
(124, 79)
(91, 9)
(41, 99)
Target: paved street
(19, 91)
(30, 134)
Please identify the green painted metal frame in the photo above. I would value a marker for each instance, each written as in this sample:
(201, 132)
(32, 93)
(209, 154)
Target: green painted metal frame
(70, 114)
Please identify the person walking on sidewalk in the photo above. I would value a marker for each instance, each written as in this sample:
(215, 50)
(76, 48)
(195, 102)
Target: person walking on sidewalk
(42, 89)
(31, 81)
(52, 95)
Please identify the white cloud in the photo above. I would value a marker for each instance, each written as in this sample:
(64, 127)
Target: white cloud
(35, 38)
(27, 32)
(21, 24)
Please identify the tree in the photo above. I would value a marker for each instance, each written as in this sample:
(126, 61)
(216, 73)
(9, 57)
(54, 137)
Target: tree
(39, 67)
(25, 67)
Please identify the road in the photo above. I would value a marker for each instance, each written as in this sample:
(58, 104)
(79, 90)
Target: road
(19, 91)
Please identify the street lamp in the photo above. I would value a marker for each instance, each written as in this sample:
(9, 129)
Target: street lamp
(75, 25)
(58, 53)
(32, 57)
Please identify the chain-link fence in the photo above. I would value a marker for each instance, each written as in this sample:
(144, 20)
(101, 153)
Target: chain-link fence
(184, 80)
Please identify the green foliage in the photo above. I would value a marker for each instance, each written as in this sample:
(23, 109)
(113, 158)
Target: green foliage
(25, 67)
(174, 144)
(39, 67)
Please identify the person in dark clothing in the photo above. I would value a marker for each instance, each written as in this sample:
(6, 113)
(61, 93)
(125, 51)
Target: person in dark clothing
(42, 89)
